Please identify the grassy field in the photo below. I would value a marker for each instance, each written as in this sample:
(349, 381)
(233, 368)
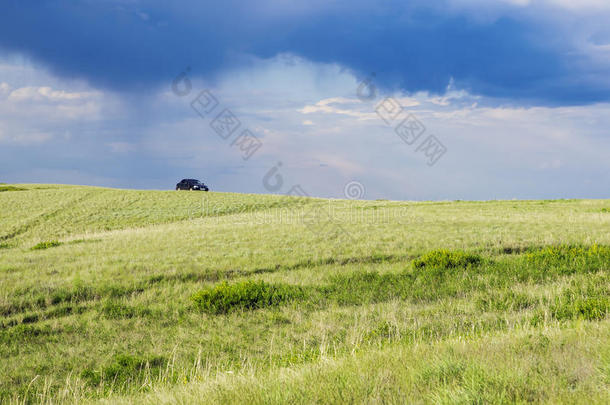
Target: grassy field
(124, 296)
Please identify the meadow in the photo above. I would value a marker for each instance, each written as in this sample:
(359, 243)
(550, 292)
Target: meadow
(127, 296)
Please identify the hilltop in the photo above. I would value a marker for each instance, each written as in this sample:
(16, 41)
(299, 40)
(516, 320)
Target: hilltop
(166, 296)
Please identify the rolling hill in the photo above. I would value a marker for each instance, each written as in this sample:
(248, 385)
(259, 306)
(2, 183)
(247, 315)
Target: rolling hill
(128, 296)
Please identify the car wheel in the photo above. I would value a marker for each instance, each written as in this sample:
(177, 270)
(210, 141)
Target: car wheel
(177, 188)
(190, 188)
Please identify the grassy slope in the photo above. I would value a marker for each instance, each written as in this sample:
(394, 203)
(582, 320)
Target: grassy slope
(107, 313)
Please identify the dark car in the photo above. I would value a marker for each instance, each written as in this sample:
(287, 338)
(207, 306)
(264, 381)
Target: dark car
(191, 184)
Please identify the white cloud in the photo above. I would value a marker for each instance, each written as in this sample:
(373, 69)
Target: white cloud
(46, 93)
(37, 108)
(327, 106)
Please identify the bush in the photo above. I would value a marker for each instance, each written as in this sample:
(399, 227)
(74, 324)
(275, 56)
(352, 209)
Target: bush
(446, 259)
(46, 245)
(248, 295)
(11, 188)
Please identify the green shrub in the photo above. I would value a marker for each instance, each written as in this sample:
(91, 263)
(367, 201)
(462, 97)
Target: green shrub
(446, 259)
(46, 245)
(248, 295)
(11, 188)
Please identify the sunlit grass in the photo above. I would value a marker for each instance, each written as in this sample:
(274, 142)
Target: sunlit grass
(191, 297)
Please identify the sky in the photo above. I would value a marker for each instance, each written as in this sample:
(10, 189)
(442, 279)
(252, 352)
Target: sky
(401, 100)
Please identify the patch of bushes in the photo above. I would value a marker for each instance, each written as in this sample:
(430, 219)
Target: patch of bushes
(11, 188)
(245, 295)
(46, 245)
(447, 259)
(124, 368)
(562, 254)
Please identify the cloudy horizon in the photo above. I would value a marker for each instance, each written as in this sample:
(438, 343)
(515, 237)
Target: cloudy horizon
(458, 99)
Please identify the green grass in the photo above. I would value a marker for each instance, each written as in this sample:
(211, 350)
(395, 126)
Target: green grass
(10, 188)
(446, 259)
(46, 245)
(244, 295)
(170, 297)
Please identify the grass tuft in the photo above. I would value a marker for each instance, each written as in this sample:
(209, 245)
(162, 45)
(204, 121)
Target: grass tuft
(46, 245)
(249, 295)
(447, 259)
